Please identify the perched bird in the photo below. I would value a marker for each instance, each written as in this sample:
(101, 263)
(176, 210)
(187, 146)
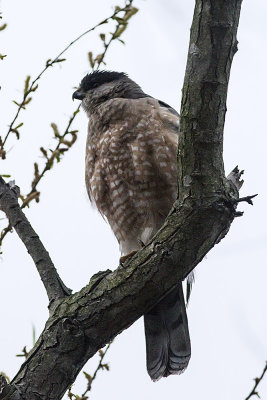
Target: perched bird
(131, 176)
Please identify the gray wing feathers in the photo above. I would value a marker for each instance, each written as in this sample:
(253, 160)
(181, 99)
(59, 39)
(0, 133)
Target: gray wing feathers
(165, 105)
(167, 336)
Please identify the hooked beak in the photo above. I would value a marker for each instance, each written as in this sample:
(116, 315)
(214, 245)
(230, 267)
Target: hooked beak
(78, 95)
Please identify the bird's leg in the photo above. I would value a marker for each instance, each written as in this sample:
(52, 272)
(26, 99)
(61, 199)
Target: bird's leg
(132, 253)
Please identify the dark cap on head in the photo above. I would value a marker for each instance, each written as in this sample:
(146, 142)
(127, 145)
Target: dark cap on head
(123, 86)
(97, 78)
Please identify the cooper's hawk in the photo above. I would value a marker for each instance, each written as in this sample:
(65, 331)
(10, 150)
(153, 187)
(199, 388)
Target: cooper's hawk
(131, 176)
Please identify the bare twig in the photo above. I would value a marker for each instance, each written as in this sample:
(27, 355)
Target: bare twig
(257, 381)
(247, 199)
(235, 176)
(236, 182)
(24, 353)
(53, 284)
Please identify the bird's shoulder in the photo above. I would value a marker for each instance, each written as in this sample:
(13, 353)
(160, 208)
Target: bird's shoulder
(144, 107)
(146, 101)
(119, 116)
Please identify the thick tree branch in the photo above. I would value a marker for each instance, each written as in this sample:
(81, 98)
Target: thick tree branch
(83, 322)
(212, 46)
(53, 284)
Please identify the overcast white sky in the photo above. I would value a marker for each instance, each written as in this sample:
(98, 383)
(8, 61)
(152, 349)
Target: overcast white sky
(227, 313)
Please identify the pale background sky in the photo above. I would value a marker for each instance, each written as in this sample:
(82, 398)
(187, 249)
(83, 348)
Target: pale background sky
(227, 313)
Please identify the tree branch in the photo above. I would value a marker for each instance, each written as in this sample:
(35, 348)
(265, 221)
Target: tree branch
(212, 46)
(257, 381)
(53, 284)
(82, 323)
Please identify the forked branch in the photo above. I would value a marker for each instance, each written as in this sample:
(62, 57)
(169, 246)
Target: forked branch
(84, 322)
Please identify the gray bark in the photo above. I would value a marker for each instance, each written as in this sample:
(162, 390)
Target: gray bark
(53, 284)
(82, 323)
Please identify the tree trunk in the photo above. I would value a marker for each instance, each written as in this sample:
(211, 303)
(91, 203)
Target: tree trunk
(82, 323)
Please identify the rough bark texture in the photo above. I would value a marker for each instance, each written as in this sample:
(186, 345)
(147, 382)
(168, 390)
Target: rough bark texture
(212, 46)
(82, 323)
(53, 284)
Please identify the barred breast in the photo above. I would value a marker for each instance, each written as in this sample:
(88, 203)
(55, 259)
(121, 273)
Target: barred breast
(131, 172)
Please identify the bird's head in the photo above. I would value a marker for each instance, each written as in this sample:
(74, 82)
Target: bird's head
(100, 86)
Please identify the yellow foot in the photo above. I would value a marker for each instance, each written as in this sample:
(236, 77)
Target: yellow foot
(129, 255)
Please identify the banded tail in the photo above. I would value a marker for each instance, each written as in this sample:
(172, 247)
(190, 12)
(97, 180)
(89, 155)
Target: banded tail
(168, 346)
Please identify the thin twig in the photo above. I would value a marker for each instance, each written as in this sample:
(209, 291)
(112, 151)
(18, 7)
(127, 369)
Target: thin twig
(247, 199)
(100, 366)
(257, 381)
(53, 284)
(2, 27)
(33, 86)
(90, 379)
(33, 193)
(58, 151)
(47, 166)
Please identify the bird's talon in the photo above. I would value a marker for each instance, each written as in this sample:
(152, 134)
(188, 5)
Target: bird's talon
(125, 258)
(142, 244)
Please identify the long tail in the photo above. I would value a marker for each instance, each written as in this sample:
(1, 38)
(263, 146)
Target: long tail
(168, 348)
